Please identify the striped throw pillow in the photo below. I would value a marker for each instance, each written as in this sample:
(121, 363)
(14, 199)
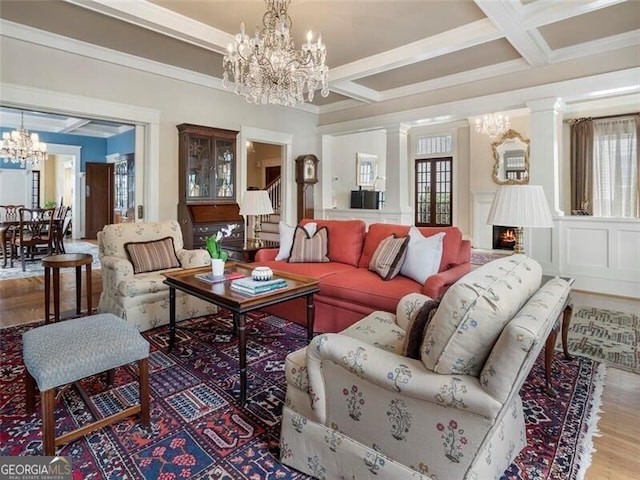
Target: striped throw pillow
(389, 255)
(152, 256)
(310, 249)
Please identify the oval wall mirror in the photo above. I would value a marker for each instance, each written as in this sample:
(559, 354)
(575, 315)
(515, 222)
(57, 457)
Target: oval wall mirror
(511, 159)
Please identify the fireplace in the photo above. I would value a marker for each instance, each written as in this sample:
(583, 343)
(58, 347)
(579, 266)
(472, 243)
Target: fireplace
(504, 238)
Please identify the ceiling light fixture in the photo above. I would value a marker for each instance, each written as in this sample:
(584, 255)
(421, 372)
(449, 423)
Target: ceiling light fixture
(493, 125)
(21, 147)
(268, 69)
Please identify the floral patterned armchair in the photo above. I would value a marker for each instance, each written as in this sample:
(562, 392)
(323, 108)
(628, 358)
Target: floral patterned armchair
(142, 298)
(357, 407)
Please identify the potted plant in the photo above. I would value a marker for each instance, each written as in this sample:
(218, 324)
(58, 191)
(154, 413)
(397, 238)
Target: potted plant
(214, 247)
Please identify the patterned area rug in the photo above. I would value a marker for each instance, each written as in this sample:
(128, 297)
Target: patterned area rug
(608, 336)
(480, 257)
(200, 432)
(35, 268)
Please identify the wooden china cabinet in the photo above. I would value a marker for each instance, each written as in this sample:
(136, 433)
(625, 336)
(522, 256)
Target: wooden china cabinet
(207, 188)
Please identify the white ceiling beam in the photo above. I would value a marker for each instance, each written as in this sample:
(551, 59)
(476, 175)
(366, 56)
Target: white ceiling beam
(466, 36)
(529, 44)
(540, 13)
(153, 17)
(594, 47)
(355, 91)
(72, 124)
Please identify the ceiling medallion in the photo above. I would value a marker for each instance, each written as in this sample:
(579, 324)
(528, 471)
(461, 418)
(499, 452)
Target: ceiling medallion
(268, 69)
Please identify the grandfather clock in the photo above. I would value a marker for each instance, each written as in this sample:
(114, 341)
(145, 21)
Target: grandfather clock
(306, 178)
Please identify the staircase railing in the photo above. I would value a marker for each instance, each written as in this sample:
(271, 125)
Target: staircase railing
(274, 189)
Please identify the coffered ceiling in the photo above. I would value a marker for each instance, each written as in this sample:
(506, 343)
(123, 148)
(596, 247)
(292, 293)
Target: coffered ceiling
(377, 50)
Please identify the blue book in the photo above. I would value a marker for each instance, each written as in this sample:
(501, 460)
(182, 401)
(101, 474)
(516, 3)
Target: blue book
(259, 285)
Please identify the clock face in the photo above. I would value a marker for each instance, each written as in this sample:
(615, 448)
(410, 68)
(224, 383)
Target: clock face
(309, 170)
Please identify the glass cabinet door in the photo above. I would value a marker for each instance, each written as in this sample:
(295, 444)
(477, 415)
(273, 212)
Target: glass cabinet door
(200, 173)
(225, 165)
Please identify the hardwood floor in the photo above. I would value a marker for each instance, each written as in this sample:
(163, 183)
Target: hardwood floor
(617, 455)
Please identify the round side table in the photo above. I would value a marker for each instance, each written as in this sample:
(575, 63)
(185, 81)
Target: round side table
(66, 260)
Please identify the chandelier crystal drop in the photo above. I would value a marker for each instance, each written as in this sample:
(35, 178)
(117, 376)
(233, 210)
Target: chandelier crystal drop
(21, 147)
(268, 69)
(493, 125)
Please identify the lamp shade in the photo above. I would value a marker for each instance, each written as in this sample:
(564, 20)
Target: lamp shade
(520, 206)
(256, 202)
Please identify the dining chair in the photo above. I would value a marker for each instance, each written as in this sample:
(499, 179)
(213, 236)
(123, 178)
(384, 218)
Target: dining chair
(59, 218)
(35, 230)
(8, 223)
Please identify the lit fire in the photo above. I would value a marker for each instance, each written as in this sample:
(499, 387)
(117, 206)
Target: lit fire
(508, 236)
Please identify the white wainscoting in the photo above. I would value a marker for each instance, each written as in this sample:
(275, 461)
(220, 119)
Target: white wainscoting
(369, 216)
(482, 234)
(15, 186)
(602, 254)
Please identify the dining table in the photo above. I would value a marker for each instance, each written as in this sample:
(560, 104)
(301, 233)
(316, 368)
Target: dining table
(57, 242)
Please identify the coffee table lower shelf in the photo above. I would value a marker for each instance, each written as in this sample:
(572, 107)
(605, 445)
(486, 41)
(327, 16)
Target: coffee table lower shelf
(220, 294)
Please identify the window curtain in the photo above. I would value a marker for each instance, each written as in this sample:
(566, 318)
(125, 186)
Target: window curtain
(615, 167)
(582, 165)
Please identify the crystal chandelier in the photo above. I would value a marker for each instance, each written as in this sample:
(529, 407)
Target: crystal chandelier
(493, 125)
(268, 69)
(20, 146)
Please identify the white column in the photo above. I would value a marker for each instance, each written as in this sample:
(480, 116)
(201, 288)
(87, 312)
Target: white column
(326, 192)
(544, 161)
(398, 184)
(544, 157)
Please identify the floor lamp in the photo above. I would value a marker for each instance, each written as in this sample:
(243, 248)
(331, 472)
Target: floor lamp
(257, 203)
(520, 206)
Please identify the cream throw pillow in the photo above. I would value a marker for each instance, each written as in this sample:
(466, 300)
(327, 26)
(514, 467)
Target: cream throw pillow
(423, 255)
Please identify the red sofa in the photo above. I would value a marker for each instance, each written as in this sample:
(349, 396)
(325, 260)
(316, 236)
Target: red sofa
(348, 290)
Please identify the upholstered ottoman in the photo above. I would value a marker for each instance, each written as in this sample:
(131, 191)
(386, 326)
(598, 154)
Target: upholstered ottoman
(60, 353)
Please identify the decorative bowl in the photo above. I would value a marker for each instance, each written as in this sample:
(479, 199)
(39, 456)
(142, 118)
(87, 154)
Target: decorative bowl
(260, 274)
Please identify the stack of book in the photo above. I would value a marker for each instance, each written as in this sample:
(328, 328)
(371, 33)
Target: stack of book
(252, 287)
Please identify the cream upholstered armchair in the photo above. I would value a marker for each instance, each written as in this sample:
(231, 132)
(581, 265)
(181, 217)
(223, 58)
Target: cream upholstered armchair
(357, 406)
(133, 257)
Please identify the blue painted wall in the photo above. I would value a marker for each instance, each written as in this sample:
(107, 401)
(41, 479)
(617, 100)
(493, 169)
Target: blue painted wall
(123, 143)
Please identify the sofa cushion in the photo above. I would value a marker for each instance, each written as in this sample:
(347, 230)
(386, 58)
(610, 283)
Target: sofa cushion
(153, 255)
(423, 255)
(286, 238)
(362, 287)
(474, 311)
(388, 258)
(311, 249)
(378, 231)
(348, 238)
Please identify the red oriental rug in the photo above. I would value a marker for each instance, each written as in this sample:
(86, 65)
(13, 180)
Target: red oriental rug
(199, 431)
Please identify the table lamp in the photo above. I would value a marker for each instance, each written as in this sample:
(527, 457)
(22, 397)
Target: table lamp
(257, 203)
(520, 206)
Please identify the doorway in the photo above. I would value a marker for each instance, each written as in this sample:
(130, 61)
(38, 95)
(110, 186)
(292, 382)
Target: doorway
(99, 192)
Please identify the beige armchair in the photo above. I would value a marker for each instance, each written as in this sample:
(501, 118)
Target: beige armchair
(143, 298)
(358, 407)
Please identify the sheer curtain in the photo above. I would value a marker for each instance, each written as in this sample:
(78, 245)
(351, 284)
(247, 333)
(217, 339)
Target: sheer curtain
(615, 167)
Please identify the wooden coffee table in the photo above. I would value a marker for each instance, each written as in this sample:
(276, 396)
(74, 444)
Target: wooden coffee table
(220, 294)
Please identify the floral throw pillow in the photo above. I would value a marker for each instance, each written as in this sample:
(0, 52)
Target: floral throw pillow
(310, 248)
(389, 256)
(152, 256)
